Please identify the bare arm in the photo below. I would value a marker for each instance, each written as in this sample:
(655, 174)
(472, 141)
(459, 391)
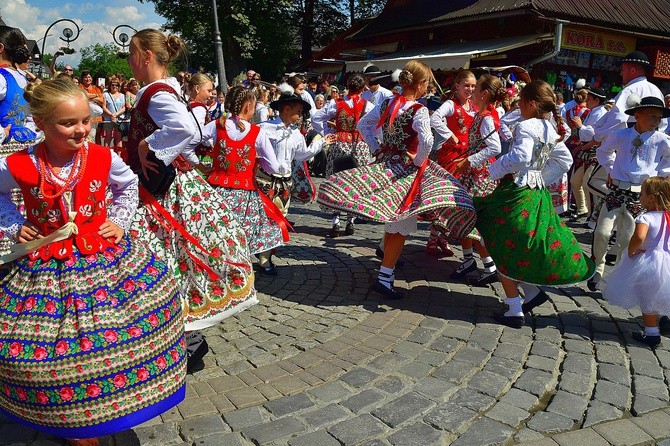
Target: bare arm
(638, 237)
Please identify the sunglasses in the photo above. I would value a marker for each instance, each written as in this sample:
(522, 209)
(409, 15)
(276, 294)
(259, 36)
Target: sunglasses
(115, 85)
(68, 69)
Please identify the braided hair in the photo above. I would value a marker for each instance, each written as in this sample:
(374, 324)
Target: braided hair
(659, 188)
(236, 99)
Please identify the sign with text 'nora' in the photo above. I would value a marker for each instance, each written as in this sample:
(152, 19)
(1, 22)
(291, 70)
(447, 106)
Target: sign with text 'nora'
(595, 41)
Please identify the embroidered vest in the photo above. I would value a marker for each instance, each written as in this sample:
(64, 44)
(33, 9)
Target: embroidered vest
(141, 125)
(402, 139)
(195, 104)
(88, 200)
(459, 123)
(346, 118)
(13, 110)
(233, 162)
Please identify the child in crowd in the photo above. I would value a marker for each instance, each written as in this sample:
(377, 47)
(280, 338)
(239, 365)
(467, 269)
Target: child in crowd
(92, 319)
(641, 277)
(526, 238)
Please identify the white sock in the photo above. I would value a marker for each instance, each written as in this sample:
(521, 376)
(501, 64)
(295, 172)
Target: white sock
(489, 264)
(514, 304)
(385, 276)
(652, 331)
(350, 219)
(336, 219)
(530, 292)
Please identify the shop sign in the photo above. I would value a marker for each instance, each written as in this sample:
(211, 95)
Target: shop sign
(582, 39)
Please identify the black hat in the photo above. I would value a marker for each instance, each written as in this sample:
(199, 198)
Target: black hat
(639, 58)
(650, 102)
(597, 92)
(372, 69)
(288, 96)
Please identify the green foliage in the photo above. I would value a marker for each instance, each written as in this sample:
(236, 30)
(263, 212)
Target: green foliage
(103, 61)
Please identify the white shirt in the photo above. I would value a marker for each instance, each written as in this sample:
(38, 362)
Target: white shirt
(122, 183)
(652, 158)
(176, 127)
(487, 131)
(616, 119)
(378, 96)
(367, 126)
(328, 112)
(586, 132)
(264, 151)
(261, 113)
(308, 98)
(567, 106)
(521, 159)
(289, 145)
(508, 122)
(438, 120)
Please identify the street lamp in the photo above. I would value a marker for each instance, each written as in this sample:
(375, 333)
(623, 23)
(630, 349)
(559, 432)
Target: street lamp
(68, 37)
(122, 39)
(223, 83)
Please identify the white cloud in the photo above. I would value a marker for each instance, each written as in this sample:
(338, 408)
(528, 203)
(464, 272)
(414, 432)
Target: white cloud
(129, 13)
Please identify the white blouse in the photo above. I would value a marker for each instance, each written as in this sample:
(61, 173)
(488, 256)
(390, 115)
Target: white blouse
(535, 158)
(328, 112)
(586, 132)
(289, 145)
(122, 184)
(176, 127)
(490, 137)
(367, 126)
(264, 151)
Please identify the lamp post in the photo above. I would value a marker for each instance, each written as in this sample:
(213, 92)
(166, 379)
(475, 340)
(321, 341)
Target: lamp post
(67, 37)
(218, 45)
(122, 39)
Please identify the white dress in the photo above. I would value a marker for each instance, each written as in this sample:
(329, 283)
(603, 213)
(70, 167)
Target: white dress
(641, 281)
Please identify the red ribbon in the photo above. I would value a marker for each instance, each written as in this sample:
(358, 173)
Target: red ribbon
(393, 108)
(414, 189)
(275, 215)
(168, 222)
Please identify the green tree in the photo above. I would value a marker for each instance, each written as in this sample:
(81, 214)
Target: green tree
(103, 61)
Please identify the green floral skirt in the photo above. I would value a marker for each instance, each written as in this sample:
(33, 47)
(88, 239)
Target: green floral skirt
(527, 239)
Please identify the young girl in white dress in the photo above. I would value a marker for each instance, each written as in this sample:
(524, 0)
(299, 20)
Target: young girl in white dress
(640, 278)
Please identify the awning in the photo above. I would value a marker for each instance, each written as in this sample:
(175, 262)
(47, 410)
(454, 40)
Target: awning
(451, 56)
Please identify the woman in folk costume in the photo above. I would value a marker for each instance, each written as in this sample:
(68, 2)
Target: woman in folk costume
(525, 236)
(18, 131)
(349, 145)
(185, 222)
(483, 146)
(92, 328)
(452, 121)
(238, 146)
(402, 184)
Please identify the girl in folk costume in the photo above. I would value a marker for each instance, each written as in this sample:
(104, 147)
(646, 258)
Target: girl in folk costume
(641, 278)
(527, 239)
(452, 121)
(473, 170)
(186, 223)
(261, 111)
(238, 146)
(92, 329)
(200, 91)
(349, 145)
(402, 184)
(16, 133)
(581, 111)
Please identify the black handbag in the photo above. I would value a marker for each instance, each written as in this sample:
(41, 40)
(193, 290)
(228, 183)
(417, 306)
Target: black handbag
(124, 127)
(159, 182)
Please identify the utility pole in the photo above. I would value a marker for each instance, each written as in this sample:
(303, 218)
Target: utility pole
(223, 83)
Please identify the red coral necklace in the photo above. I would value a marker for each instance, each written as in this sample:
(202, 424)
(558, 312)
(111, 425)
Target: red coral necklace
(46, 169)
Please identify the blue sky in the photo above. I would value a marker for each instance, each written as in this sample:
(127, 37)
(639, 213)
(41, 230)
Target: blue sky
(97, 18)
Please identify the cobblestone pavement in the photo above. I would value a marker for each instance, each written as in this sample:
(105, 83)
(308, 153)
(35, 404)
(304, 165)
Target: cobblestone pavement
(319, 362)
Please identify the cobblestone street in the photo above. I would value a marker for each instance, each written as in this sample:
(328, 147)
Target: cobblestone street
(319, 362)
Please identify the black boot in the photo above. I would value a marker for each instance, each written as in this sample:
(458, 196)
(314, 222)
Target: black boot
(335, 231)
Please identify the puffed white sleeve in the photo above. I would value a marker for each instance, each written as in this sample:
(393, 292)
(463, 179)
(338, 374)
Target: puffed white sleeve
(305, 152)
(323, 115)
(11, 219)
(490, 136)
(560, 160)
(123, 184)
(266, 153)
(438, 121)
(421, 124)
(519, 156)
(209, 133)
(367, 126)
(606, 153)
(176, 127)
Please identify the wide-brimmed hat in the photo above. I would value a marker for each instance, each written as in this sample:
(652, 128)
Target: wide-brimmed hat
(639, 58)
(288, 96)
(650, 102)
(372, 69)
(597, 92)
